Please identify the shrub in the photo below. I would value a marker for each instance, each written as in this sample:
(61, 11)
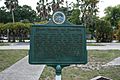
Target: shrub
(17, 30)
(74, 18)
(118, 35)
(118, 32)
(1, 26)
(104, 31)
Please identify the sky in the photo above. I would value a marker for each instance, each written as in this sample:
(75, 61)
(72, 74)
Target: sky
(102, 4)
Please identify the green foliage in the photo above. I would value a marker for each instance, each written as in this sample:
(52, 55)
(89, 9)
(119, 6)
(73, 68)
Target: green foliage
(1, 26)
(1, 30)
(74, 18)
(42, 22)
(104, 31)
(118, 32)
(4, 15)
(118, 35)
(11, 5)
(88, 14)
(9, 26)
(16, 30)
(113, 15)
(24, 13)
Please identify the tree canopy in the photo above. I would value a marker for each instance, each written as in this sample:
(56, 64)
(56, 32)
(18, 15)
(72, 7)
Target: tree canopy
(24, 12)
(11, 5)
(113, 15)
(21, 13)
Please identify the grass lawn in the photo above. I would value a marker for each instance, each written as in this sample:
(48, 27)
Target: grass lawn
(9, 57)
(78, 73)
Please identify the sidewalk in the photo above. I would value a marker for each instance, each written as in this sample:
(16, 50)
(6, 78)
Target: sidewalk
(115, 62)
(22, 70)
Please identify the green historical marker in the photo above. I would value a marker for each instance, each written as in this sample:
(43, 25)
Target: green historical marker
(58, 43)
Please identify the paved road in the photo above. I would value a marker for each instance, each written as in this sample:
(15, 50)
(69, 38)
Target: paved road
(14, 47)
(107, 46)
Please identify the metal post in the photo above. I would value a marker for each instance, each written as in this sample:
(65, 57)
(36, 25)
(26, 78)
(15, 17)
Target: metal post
(58, 72)
(58, 77)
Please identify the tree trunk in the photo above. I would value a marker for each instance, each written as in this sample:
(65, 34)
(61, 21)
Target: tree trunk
(8, 31)
(20, 35)
(13, 36)
(13, 16)
(8, 35)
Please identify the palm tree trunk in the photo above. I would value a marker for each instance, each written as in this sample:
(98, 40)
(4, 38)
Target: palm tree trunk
(8, 31)
(13, 36)
(13, 16)
(8, 35)
(13, 23)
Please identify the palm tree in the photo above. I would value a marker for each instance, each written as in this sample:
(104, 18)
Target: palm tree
(11, 5)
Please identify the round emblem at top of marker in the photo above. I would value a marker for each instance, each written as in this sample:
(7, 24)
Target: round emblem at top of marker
(58, 17)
